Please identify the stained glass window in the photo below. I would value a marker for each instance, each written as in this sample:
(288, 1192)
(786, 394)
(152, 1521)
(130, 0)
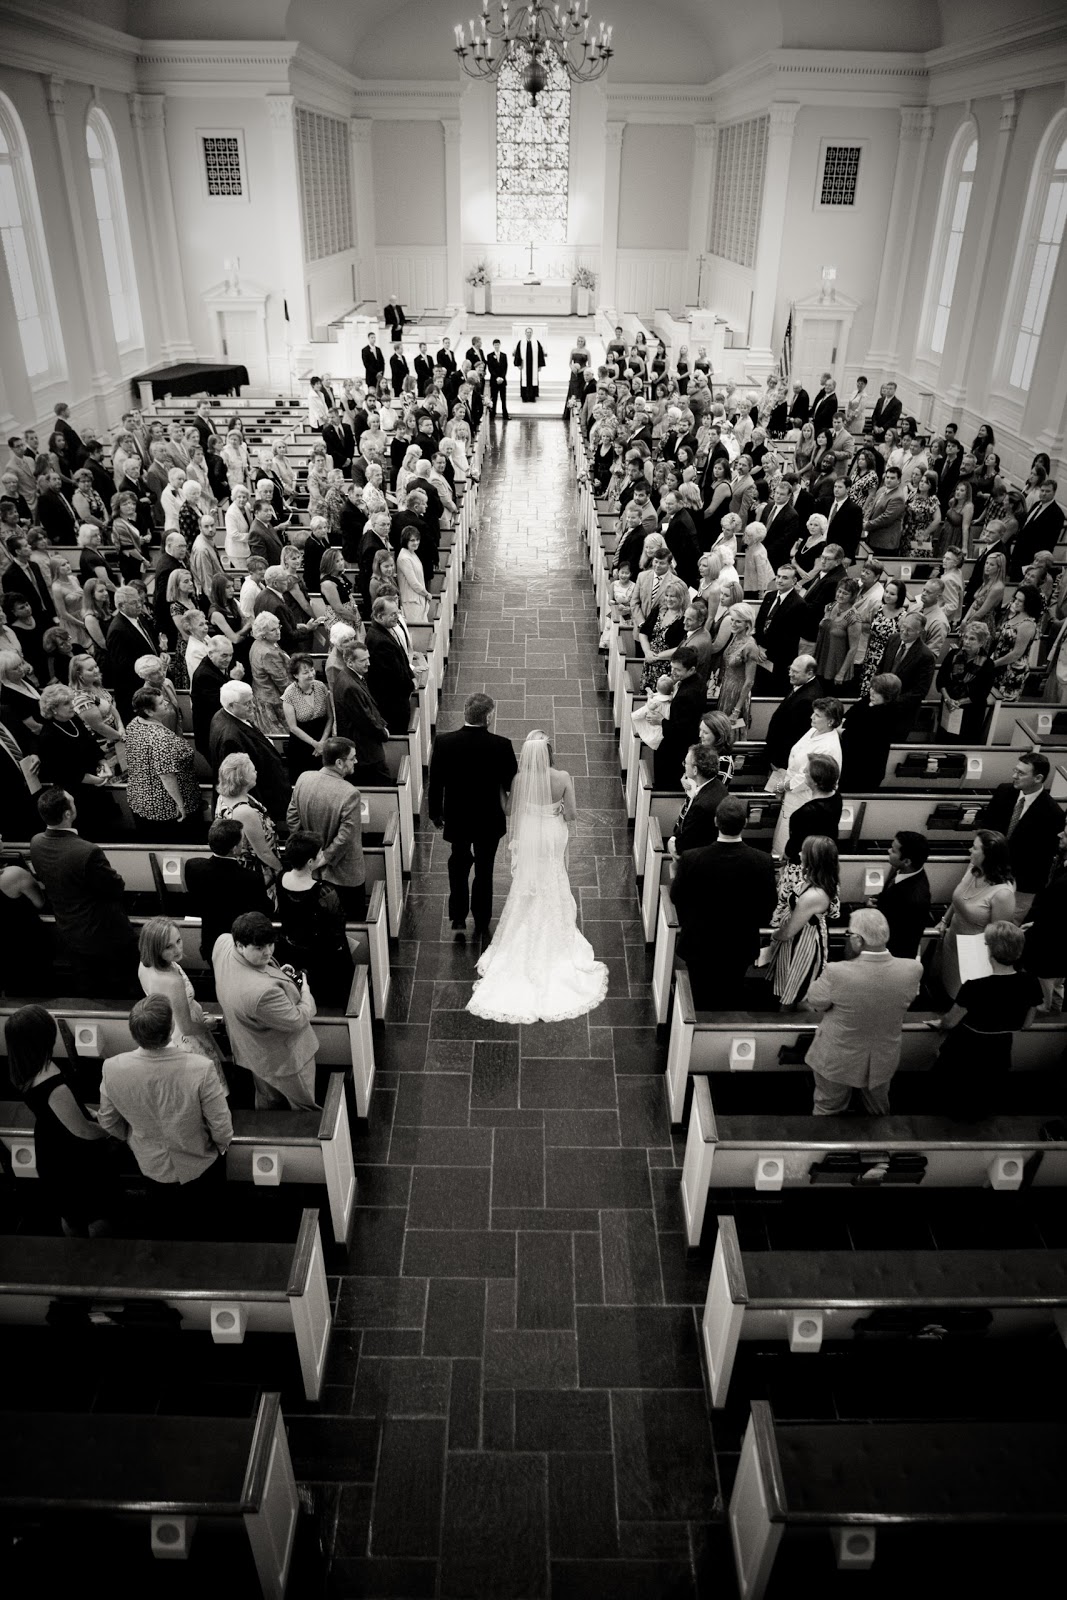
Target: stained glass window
(533, 146)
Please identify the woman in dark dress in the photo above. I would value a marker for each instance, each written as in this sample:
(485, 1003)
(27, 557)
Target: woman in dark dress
(866, 735)
(965, 678)
(1046, 933)
(72, 1151)
(70, 758)
(313, 923)
(976, 1057)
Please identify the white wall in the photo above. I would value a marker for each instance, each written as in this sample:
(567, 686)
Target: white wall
(657, 172)
(409, 183)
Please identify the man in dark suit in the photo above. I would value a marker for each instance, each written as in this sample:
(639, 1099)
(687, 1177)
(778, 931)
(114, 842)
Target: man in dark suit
(264, 539)
(1031, 821)
(53, 509)
(782, 525)
(1042, 530)
(821, 815)
(777, 631)
(398, 369)
(904, 900)
(680, 537)
(825, 410)
(174, 555)
(724, 894)
(497, 364)
(219, 887)
(233, 728)
(886, 412)
(25, 577)
(800, 405)
(389, 676)
(424, 369)
(86, 895)
(65, 430)
(446, 356)
(820, 589)
(704, 789)
(914, 663)
(131, 634)
(682, 728)
(203, 425)
(844, 522)
(339, 440)
(373, 362)
(471, 773)
(358, 716)
(792, 718)
(205, 690)
(394, 319)
(375, 537)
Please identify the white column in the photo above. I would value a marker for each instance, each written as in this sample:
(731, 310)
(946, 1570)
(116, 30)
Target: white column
(959, 344)
(916, 127)
(289, 261)
(149, 127)
(783, 116)
(707, 139)
(453, 215)
(609, 242)
(361, 162)
(18, 407)
(1047, 400)
(93, 300)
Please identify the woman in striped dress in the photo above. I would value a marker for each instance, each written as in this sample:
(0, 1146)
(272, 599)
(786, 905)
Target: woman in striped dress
(807, 895)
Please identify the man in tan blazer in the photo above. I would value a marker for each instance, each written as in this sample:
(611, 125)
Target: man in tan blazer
(326, 803)
(865, 1001)
(267, 1014)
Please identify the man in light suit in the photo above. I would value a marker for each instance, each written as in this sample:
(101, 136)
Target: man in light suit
(724, 893)
(744, 493)
(327, 803)
(373, 361)
(864, 1002)
(268, 1015)
(1031, 821)
(883, 523)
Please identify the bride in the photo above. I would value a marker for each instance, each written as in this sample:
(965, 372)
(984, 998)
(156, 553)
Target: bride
(539, 968)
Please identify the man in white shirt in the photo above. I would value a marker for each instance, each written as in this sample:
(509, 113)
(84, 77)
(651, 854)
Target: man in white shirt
(171, 499)
(252, 587)
(936, 626)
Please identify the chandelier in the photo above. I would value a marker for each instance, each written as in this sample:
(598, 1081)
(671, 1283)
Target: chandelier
(535, 32)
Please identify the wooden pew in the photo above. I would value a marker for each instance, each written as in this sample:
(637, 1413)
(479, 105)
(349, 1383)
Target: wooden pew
(269, 1147)
(806, 1296)
(63, 1468)
(226, 1289)
(851, 1477)
(742, 1041)
(345, 1037)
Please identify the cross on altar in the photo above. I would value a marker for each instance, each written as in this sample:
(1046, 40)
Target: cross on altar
(531, 276)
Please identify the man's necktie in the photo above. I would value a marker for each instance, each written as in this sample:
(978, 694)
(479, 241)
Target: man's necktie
(1015, 816)
(687, 802)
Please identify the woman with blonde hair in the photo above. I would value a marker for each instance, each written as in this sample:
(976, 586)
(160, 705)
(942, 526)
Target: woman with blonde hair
(97, 612)
(668, 631)
(270, 673)
(382, 572)
(989, 597)
(807, 896)
(97, 710)
(258, 848)
(318, 478)
(160, 972)
(740, 658)
(152, 671)
(412, 457)
(235, 459)
(69, 599)
(238, 524)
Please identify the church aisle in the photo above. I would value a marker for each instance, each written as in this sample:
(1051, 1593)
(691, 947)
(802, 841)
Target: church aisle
(526, 1415)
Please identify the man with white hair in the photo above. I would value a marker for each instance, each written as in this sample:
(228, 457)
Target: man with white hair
(170, 500)
(233, 728)
(864, 1001)
(275, 597)
(316, 542)
(130, 634)
(175, 555)
(206, 686)
(389, 676)
(358, 716)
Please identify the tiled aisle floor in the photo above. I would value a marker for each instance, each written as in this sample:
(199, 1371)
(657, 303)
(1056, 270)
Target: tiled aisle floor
(527, 1411)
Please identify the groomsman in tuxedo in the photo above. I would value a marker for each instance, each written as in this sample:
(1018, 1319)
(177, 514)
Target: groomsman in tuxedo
(497, 364)
(424, 369)
(471, 773)
(373, 361)
(446, 357)
(398, 369)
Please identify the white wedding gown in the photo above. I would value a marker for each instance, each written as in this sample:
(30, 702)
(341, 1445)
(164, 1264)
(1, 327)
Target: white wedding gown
(539, 968)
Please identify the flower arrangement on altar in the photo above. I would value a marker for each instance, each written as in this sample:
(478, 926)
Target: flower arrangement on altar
(478, 276)
(584, 278)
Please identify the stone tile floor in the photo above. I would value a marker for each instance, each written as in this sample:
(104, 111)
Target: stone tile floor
(526, 1340)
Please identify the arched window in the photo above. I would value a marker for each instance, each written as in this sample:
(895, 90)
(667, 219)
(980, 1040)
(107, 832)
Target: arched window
(110, 201)
(27, 256)
(1036, 258)
(533, 146)
(948, 238)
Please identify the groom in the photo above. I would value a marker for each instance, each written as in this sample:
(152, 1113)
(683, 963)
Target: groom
(471, 772)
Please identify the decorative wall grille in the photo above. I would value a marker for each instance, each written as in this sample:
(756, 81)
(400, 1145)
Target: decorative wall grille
(325, 184)
(222, 166)
(840, 174)
(533, 148)
(739, 168)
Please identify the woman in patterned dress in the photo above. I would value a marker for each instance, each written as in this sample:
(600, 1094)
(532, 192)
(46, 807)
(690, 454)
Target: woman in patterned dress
(807, 896)
(1011, 650)
(885, 625)
(308, 712)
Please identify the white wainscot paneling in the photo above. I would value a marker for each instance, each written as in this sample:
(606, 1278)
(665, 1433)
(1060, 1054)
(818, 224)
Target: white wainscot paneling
(417, 273)
(729, 292)
(647, 280)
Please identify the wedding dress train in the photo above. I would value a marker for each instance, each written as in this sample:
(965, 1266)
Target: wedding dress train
(539, 968)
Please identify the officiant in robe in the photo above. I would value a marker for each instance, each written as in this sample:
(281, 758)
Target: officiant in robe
(529, 358)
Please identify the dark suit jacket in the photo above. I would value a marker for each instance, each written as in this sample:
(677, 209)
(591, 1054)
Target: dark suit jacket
(822, 415)
(818, 597)
(782, 533)
(866, 735)
(680, 730)
(389, 677)
(265, 541)
(288, 615)
(1032, 846)
(846, 528)
(698, 828)
(340, 442)
(205, 691)
(373, 358)
(471, 771)
(819, 816)
(886, 414)
(57, 516)
(779, 636)
(724, 894)
(424, 372)
(398, 370)
(228, 734)
(1040, 532)
(497, 367)
(125, 644)
(800, 406)
(680, 536)
(916, 675)
(221, 889)
(34, 587)
(394, 317)
(359, 719)
(447, 359)
(86, 894)
(906, 908)
(789, 721)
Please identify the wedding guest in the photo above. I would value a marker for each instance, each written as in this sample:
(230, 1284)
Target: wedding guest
(162, 791)
(268, 1015)
(904, 900)
(87, 897)
(985, 894)
(313, 921)
(718, 949)
(1046, 933)
(807, 896)
(975, 1059)
(220, 886)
